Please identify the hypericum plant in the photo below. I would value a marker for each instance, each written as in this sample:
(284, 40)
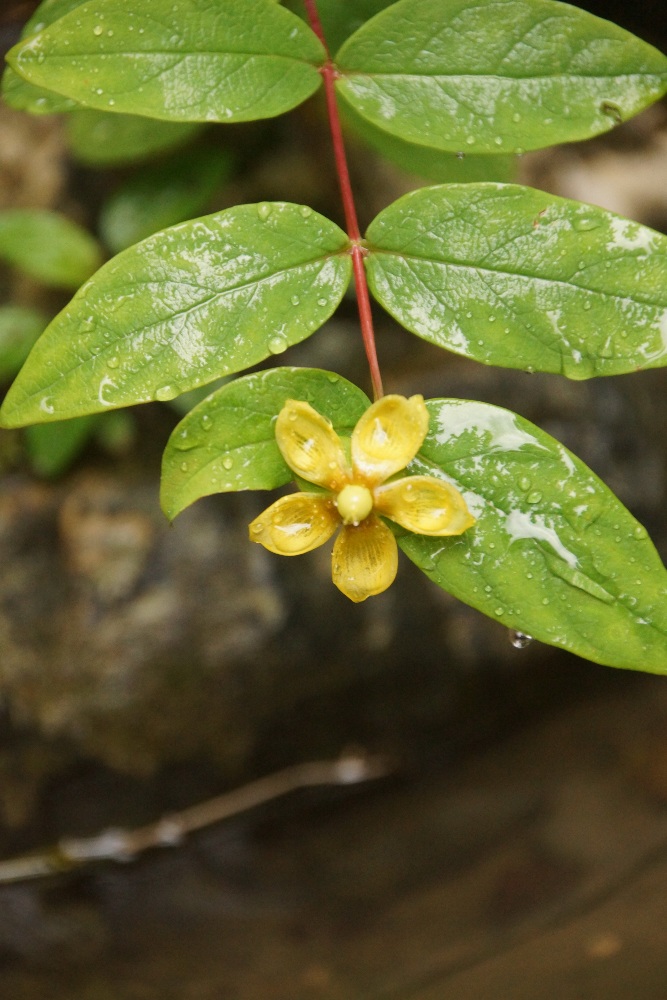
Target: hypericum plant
(496, 272)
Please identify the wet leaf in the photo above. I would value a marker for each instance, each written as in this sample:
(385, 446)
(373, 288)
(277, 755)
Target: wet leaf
(235, 60)
(48, 247)
(506, 77)
(163, 195)
(515, 277)
(102, 139)
(24, 96)
(20, 326)
(228, 441)
(431, 164)
(554, 553)
(207, 298)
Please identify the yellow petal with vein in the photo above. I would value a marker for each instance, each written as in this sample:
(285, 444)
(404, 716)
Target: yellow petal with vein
(310, 445)
(364, 560)
(425, 505)
(295, 524)
(388, 436)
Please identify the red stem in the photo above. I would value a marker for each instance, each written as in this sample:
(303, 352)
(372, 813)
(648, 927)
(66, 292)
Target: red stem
(329, 75)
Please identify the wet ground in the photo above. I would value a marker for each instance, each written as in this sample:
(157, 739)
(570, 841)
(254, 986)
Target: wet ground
(536, 868)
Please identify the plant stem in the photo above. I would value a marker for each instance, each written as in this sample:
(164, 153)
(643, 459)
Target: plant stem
(329, 74)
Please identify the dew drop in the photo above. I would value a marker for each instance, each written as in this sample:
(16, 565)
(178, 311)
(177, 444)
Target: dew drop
(492, 319)
(305, 211)
(111, 102)
(499, 611)
(322, 302)
(332, 378)
(295, 300)
(519, 639)
(640, 531)
(470, 140)
(264, 210)
(587, 306)
(277, 345)
(113, 362)
(164, 392)
(524, 483)
(184, 466)
(516, 117)
(498, 140)
(257, 528)
(460, 155)
(206, 422)
(534, 497)
(468, 315)
(98, 29)
(227, 462)
(545, 601)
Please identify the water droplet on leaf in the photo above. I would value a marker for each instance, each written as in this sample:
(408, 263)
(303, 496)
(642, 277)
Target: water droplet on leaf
(519, 639)
(206, 422)
(264, 210)
(227, 462)
(277, 345)
(164, 392)
(534, 497)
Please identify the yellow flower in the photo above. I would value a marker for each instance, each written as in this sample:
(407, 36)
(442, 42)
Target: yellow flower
(385, 440)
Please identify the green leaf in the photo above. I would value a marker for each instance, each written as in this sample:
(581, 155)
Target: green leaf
(228, 442)
(341, 18)
(53, 447)
(501, 77)
(20, 326)
(431, 164)
(48, 247)
(234, 60)
(102, 139)
(24, 96)
(554, 553)
(207, 298)
(518, 278)
(162, 195)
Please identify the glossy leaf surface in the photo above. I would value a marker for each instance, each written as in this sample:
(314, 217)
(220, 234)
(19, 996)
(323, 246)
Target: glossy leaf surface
(431, 164)
(24, 96)
(228, 441)
(236, 60)
(48, 246)
(200, 300)
(162, 195)
(554, 553)
(501, 77)
(20, 326)
(515, 277)
(102, 139)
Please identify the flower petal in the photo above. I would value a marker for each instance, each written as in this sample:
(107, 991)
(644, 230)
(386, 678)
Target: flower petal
(310, 445)
(425, 505)
(295, 524)
(388, 436)
(364, 559)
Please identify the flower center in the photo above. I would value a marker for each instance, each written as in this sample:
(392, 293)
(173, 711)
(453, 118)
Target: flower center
(354, 503)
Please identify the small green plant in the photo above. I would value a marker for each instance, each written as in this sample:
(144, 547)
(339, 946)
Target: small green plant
(490, 507)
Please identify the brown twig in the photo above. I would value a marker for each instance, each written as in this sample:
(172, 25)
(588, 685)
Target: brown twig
(172, 829)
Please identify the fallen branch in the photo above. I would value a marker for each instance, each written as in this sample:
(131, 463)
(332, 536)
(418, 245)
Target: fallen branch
(169, 831)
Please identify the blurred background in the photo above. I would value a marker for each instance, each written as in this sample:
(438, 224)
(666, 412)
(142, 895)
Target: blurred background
(517, 846)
